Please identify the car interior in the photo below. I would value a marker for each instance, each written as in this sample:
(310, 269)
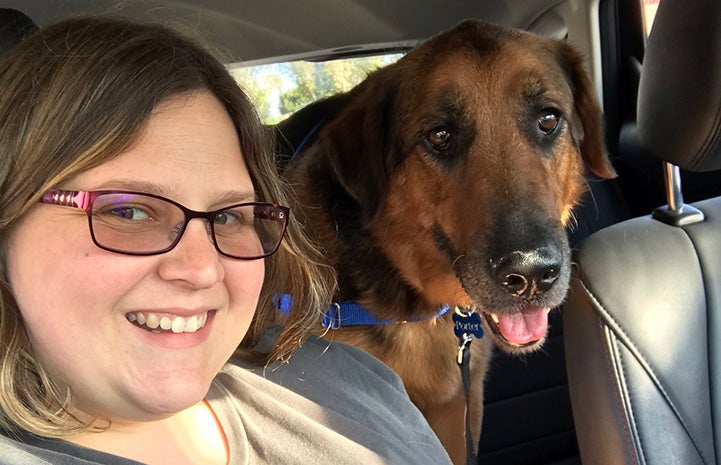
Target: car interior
(642, 320)
(627, 373)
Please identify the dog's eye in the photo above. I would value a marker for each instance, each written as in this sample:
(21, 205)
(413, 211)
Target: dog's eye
(548, 121)
(438, 138)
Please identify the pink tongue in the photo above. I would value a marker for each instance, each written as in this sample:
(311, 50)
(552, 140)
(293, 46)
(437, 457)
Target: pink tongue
(524, 327)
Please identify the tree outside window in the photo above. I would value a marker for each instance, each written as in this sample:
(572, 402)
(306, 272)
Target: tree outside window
(279, 89)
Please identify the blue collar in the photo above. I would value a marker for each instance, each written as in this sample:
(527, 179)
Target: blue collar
(347, 313)
(351, 314)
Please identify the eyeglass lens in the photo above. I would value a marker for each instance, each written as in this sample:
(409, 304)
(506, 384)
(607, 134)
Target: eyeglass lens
(142, 224)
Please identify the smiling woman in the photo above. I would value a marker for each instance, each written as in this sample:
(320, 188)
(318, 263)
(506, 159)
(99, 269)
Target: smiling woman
(142, 239)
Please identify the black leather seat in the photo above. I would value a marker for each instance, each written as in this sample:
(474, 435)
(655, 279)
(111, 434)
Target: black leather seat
(14, 26)
(642, 324)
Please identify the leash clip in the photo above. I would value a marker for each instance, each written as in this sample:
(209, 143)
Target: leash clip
(331, 318)
(463, 348)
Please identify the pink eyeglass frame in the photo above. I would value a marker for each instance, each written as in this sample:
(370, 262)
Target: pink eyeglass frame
(85, 199)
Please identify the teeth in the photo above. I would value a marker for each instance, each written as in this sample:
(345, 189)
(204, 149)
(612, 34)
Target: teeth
(152, 321)
(494, 317)
(191, 325)
(166, 323)
(177, 324)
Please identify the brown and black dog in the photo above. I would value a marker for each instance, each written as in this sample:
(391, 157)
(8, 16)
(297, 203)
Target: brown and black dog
(448, 178)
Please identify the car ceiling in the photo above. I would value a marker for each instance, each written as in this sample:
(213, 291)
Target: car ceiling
(259, 30)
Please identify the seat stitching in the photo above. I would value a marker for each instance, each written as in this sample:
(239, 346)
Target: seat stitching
(625, 408)
(623, 337)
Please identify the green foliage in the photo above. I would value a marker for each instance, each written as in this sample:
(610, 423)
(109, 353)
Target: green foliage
(253, 82)
(306, 88)
(279, 89)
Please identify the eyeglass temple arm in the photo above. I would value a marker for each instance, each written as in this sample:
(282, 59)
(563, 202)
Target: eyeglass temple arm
(79, 199)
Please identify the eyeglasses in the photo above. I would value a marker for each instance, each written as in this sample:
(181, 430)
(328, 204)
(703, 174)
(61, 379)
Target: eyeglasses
(134, 223)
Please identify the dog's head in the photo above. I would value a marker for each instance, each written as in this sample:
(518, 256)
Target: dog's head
(466, 158)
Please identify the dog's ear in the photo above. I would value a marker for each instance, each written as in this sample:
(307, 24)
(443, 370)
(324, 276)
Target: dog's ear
(359, 145)
(586, 123)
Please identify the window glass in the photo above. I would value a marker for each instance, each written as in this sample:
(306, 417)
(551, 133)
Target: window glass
(279, 89)
(649, 12)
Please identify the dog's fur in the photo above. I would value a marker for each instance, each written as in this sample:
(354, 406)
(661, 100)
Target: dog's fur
(441, 179)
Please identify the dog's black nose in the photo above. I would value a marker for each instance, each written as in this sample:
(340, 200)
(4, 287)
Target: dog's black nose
(527, 273)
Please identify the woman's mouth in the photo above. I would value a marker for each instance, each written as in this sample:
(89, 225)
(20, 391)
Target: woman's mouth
(167, 323)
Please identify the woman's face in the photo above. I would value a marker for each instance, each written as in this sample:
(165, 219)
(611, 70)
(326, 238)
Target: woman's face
(77, 300)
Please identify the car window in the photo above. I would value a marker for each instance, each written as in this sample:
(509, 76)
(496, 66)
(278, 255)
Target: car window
(279, 89)
(649, 12)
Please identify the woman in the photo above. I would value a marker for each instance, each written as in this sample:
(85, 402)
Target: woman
(142, 233)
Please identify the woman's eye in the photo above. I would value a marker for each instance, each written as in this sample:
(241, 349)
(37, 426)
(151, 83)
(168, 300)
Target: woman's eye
(228, 217)
(439, 139)
(130, 213)
(549, 121)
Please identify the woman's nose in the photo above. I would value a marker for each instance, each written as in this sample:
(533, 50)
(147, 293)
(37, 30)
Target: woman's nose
(194, 259)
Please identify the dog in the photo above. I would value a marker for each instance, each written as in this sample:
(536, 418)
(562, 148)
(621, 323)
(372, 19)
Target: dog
(447, 180)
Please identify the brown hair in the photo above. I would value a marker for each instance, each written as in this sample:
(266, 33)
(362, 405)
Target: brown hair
(78, 93)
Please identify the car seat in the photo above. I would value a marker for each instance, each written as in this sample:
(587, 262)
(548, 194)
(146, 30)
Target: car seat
(14, 26)
(643, 320)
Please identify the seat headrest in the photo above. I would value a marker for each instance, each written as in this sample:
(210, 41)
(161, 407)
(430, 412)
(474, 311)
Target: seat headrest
(14, 26)
(679, 99)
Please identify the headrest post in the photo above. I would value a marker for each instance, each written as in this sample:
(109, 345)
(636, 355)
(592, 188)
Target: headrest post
(676, 213)
(672, 175)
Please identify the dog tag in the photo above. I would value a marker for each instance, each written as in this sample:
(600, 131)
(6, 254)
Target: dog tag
(465, 324)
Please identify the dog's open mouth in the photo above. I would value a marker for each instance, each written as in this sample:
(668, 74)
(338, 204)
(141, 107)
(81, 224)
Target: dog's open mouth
(519, 329)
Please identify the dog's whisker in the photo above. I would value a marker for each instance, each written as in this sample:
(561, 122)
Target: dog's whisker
(593, 197)
(572, 222)
(456, 260)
